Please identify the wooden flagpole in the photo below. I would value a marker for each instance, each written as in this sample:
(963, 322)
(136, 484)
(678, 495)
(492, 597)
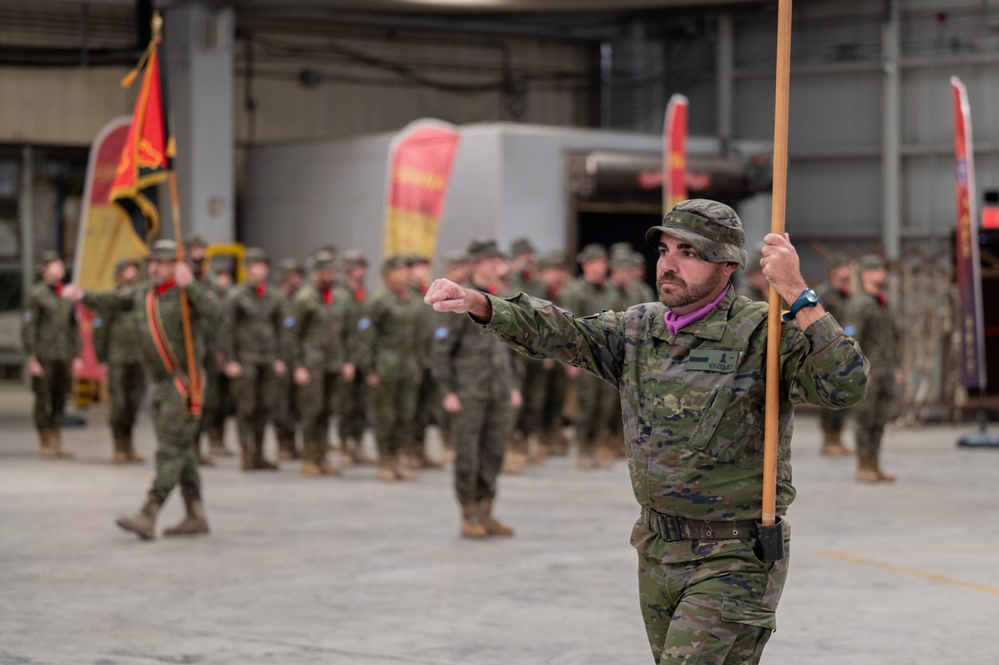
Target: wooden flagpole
(778, 207)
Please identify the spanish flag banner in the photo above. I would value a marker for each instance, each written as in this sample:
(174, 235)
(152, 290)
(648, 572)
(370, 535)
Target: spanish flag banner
(420, 160)
(675, 152)
(147, 156)
(966, 262)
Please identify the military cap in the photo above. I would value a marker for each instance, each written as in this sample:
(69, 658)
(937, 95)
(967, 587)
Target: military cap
(621, 258)
(483, 248)
(47, 257)
(592, 252)
(414, 259)
(255, 255)
(637, 260)
(871, 262)
(323, 259)
(222, 263)
(119, 267)
(556, 258)
(288, 266)
(353, 258)
(192, 240)
(713, 229)
(453, 259)
(522, 246)
(621, 247)
(163, 250)
(395, 261)
(838, 259)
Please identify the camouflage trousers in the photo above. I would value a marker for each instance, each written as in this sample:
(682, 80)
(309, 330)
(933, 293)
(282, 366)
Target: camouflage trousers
(595, 400)
(427, 408)
(51, 391)
(126, 382)
(832, 420)
(716, 610)
(352, 408)
(253, 394)
(555, 385)
(532, 388)
(285, 413)
(218, 402)
(176, 438)
(315, 404)
(481, 430)
(873, 413)
(393, 404)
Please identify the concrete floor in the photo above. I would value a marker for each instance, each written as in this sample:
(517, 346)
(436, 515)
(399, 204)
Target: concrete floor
(348, 570)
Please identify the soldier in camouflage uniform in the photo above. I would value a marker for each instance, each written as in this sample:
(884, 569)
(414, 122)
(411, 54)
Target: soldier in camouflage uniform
(456, 268)
(176, 410)
(690, 370)
(872, 321)
(352, 397)
(590, 294)
(392, 366)
(316, 348)
(554, 268)
(754, 285)
(290, 275)
(640, 289)
(51, 340)
(476, 374)
(116, 342)
(835, 296)
(249, 343)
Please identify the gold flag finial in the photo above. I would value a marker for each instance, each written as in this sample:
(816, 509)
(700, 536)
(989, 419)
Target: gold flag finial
(157, 23)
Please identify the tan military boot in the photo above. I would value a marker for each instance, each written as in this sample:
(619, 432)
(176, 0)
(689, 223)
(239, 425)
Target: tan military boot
(260, 462)
(45, 450)
(129, 448)
(194, 523)
(493, 526)
(386, 472)
(216, 443)
(120, 456)
(867, 470)
(471, 524)
(832, 445)
(56, 445)
(247, 454)
(143, 523)
(882, 475)
(513, 463)
(287, 450)
(536, 450)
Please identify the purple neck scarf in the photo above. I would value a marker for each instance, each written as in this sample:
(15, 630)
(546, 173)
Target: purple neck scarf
(675, 322)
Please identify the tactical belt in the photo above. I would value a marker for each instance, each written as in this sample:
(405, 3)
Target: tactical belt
(673, 528)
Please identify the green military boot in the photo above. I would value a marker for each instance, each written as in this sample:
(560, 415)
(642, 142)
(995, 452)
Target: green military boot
(194, 523)
(493, 526)
(471, 525)
(143, 523)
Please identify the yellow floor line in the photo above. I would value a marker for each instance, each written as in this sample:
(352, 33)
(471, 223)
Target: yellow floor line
(913, 572)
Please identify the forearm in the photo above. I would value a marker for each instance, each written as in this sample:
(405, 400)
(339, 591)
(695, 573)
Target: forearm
(831, 369)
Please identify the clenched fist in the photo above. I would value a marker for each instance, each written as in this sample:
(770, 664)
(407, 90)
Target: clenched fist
(446, 296)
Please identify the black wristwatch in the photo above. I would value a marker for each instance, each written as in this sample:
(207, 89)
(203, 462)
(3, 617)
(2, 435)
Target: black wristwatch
(808, 298)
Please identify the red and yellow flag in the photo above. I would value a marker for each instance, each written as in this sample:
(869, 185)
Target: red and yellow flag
(420, 160)
(147, 155)
(675, 152)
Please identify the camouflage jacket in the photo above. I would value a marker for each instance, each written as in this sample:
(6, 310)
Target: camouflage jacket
(49, 330)
(116, 337)
(525, 283)
(693, 405)
(250, 330)
(393, 340)
(471, 363)
(355, 319)
(877, 331)
(157, 312)
(583, 298)
(314, 330)
(834, 300)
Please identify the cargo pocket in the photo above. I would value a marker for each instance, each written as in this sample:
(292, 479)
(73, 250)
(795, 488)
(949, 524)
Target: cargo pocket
(756, 618)
(704, 431)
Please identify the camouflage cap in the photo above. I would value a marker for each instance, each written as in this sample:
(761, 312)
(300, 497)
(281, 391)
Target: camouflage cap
(453, 259)
(192, 240)
(483, 248)
(554, 259)
(592, 252)
(354, 258)
(163, 250)
(838, 259)
(621, 247)
(255, 255)
(713, 229)
(638, 260)
(871, 262)
(47, 257)
(322, 259)
(119, 267)
(621, 257)
(394, 262)
(522, 246)
(414, 259)
(288, 266)
(223, 263)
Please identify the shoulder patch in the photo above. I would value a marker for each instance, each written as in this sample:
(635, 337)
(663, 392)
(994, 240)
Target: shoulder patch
(850, 330)
(364, 323)
(98, 322)
(441, 332)
(27, 317)
(289, 321)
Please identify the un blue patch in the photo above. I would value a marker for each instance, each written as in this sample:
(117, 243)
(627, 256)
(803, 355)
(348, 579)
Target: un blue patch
(364, 323)
(850, 330)
(441, 333)
(97, 322)
(289, 321)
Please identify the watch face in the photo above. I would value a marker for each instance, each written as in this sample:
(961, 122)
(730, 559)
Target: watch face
(811, 296)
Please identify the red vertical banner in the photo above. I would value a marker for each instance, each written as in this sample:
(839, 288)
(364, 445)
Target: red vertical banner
(420, 160)
(675, 152)
(967, 267)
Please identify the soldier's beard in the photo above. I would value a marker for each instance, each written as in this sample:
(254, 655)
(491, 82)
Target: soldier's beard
(675, 292)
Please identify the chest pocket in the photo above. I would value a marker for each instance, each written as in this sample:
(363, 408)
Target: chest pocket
(730, 429)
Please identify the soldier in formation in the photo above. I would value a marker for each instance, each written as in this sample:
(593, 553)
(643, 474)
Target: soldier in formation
(352, 400)
(690, 373)
(290, 276)
(835, 296)
(116, 342)
(51, 340)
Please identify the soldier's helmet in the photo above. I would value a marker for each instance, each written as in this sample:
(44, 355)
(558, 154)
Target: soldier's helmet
(522, 246)
(591, 252)
(163, 250)
(354, 258)
(255, 255)
(453, 259)
(871, 262)
(483, 248)
(47, 257)
(713, 229)
(556, 258)
(323, 259)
